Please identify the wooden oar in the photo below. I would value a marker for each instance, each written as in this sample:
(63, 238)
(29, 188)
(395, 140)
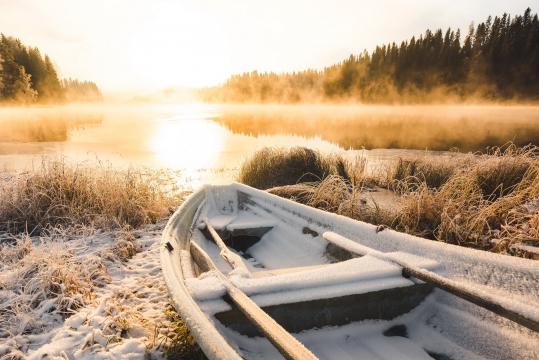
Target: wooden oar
(232, 259)
(508, 309)
(287, 345)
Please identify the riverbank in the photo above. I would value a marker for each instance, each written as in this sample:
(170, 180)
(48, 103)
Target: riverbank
(86, 296)
(485, 201)
(80, 275)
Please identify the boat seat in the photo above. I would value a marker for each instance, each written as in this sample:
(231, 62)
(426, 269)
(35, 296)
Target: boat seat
(234, 223)
(353, 276)
(273, 272)
(239, 233)
(316, 296)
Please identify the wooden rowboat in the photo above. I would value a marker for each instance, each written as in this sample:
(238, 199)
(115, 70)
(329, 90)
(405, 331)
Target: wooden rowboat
(256, 276)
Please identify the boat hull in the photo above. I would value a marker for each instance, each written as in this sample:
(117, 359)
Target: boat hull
(226, 334)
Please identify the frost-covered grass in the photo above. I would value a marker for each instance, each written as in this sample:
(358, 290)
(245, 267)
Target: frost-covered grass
(272, 167)
(410, 173)
(488, 201)
(80, 274)
(338, 195)
(96, 295)
(44, 276)
(62, 194)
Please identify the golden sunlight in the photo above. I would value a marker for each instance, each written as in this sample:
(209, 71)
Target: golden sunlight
(376, 162)
(188, 144)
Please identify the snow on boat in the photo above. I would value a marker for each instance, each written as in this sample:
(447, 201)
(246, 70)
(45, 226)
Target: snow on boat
(256, 276)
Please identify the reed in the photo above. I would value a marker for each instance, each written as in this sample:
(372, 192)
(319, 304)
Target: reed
(62, 194)
(486, 205)
(338, 195)
(410, 173)
(272, 167)
(487, 201)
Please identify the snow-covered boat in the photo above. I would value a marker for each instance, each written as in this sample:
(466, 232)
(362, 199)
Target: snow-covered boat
(256, 276)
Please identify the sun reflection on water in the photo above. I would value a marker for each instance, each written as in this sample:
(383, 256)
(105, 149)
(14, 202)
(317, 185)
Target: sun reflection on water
(188, 145)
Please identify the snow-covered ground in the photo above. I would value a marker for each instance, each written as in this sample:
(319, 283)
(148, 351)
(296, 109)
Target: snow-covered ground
(122, 312)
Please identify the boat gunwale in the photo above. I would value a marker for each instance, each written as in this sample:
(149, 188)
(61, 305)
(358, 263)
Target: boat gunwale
(384, 241)
(211, 341)
(201, 325)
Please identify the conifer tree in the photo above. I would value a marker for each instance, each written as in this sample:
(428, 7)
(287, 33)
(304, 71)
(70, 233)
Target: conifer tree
(16, 83)
(497, 59)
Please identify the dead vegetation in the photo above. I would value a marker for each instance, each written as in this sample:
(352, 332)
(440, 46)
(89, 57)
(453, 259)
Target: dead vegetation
(336, 194)
(481, 205)
(42, 283)
(409, 174)
(95, 195)
(45, 280)
(164, 331)
(63, 227)
(178, 343)
(125, 246)
(488, 201)
(272, 167)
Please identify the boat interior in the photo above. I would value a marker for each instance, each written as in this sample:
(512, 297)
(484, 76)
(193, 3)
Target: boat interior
(339, 304)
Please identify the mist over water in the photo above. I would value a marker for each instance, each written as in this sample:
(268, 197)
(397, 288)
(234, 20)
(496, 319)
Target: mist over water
(441, 128)
(209, 142)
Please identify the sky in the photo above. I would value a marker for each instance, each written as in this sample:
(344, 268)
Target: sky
(134, 45)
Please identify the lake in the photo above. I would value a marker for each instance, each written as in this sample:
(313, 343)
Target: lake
(207, 143)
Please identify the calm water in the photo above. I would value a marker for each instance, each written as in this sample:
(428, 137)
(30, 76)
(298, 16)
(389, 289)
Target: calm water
(207, 143)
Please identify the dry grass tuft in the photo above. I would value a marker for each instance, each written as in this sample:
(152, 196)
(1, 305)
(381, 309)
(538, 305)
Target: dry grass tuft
(483, 200)
(487, 201)
(411, 173)
(337, 195)
(60, 194)
(178, 343)
(44, 279)
(271, 167)
(125, 246)
(501, 171)
(120, 318)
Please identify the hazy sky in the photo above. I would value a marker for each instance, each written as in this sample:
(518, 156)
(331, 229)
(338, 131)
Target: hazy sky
(152, 44)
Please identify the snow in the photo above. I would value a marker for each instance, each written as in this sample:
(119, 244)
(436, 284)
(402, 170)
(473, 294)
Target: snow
(249, 222)
(221, 221)
(441, 324)
(284, 247)
(135, 298)
(355, 276)
(516, 276)
(428, 329)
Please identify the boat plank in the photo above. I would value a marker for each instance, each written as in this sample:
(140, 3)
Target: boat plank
(287, 344)
(487, 301)
(232, 259)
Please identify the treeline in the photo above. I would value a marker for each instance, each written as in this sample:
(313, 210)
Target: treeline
(496, 60)
(76, 90)
(26, 77)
